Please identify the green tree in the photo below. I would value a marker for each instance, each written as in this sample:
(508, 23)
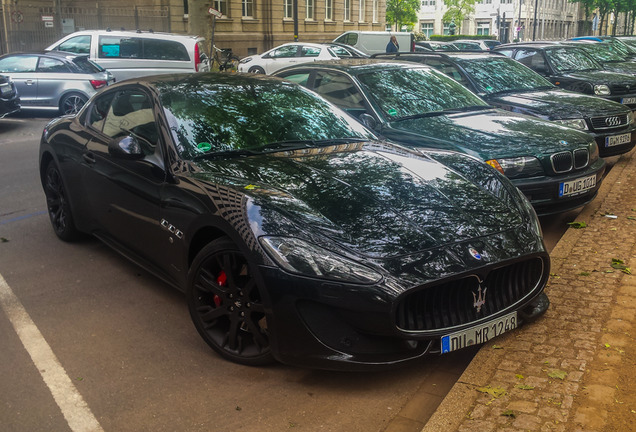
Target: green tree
(402, 12)
(458, 10)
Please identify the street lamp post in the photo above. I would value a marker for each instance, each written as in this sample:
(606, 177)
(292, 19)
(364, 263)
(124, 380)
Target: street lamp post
(534, 23)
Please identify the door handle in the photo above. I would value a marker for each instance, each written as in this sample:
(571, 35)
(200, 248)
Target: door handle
(89, 158)
(29, 82)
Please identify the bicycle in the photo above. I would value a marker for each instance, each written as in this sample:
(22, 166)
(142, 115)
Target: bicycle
(224, 60)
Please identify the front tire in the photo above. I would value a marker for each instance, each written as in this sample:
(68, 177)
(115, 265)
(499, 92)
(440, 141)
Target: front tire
(58, 206)
(256, 70)
(226, 305)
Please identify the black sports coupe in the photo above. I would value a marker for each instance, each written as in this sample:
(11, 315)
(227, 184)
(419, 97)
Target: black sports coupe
(295, 234)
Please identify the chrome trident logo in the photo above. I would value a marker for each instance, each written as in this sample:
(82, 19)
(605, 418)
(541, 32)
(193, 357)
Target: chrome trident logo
(480, 299)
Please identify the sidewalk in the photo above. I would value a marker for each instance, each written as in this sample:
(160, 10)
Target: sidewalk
(574, 369)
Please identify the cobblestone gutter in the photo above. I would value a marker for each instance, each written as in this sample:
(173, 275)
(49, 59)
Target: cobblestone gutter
(570, 370)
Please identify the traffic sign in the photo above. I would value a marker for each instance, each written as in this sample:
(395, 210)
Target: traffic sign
(215, 12)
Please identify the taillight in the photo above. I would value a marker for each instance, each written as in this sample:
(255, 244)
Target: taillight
(197, 59)
(97, 84)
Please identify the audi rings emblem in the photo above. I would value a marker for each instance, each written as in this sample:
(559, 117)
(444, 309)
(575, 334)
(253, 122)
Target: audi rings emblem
(612, 121)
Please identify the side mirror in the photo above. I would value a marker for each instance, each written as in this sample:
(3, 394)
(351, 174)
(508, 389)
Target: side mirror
(368, 120)
(125, 147)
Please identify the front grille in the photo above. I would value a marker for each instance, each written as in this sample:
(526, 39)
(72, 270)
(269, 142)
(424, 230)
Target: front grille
(609, 122)
(452, 303)
(620, 89)
(562, 162)
(581, 158)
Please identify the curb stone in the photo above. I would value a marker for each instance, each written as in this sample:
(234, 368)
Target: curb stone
(557, 372)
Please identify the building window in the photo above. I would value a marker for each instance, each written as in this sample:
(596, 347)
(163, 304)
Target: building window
(347, 10)
(248, 11)
(362, 11)
(446, 29)
(221, 6)
(309, 9)
(483, 28)
(288, 11)
(487, 1)
(328, 10)
(427, 29)
(428, 2)
(375, 11)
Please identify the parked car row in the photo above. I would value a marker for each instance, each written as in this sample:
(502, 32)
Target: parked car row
(351, 213)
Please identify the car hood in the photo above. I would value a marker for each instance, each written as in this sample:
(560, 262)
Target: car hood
(557, 104)
(603, 77)
(489, 134)
(375, 200)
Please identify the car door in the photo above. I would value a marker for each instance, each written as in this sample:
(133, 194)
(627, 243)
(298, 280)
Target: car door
(280, 58)
(22, 70)
(125, 191)
(53, 77)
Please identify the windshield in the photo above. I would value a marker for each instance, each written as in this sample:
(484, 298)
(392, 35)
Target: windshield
(604, 52)
(408, 92)
(571, 60)
(498, 74)
(220, 116)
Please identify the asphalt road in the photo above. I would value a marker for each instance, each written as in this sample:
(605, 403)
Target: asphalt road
(92, 342)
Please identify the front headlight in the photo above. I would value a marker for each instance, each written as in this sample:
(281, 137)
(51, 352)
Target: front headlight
(630, 117)
(526, 166)
(573, 123)
(601, 90)
(593, 153)
(304, 258)
(245, 60)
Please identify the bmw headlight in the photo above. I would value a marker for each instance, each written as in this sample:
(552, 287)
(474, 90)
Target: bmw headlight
(593, 153)
(526, 166)
(601, 90)
(307, 259)
(573, 123)
(630, 117)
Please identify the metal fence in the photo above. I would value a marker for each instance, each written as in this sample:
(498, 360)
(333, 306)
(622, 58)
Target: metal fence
(28, 28)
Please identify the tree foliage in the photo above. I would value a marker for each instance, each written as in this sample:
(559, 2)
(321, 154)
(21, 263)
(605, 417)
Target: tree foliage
(402, 12)
(457, 10)
(605, 8)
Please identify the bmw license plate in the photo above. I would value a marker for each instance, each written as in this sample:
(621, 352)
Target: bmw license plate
(618, 140)
(630, 100)
(479, 334)
(577, 186)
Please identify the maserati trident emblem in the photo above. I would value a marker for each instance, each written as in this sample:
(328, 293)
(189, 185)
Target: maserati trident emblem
(612, 121)
(475, 254)
(480, 299)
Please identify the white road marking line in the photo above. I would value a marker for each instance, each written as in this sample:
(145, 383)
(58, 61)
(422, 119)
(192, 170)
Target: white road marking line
(77, 414)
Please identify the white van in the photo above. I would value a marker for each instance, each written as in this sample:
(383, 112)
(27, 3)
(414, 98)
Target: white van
(130, 54)
(374, 42)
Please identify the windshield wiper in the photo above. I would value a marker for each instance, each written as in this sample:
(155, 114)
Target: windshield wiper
(467, 109)
(296, 144)
(227, 153)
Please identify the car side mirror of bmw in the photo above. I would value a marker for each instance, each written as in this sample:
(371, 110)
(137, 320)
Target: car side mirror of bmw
(125, 147)
(368, 120)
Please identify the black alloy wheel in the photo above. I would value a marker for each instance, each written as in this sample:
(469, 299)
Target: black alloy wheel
(225, 304)
(57, 204)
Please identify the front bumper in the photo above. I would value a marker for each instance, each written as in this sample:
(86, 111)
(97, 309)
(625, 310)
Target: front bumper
(543, 192)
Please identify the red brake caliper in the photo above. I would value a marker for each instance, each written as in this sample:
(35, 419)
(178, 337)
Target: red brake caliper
(221, 280)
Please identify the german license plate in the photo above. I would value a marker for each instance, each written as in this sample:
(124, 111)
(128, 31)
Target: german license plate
(479, 334)
(618, 140)
(630, 100)
(577, 186)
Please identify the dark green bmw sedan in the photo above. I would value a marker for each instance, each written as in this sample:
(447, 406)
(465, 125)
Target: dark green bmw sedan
(556, 167)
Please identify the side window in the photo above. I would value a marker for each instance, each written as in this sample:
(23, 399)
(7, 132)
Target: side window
(299, 78)
(309, 52)
(18, 64)
(157, 49)
(288, 51)
(531, 58)
(98, 111)
(338, 89)
(446, 68)
(119, 47)
(77, 44)
(506, 52)
(52, 65)
(131, 114)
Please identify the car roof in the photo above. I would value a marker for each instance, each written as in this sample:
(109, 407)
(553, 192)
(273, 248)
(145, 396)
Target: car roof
(541, 44)
(446, 54)
(357, 65)
(62, 55)
(131, 33)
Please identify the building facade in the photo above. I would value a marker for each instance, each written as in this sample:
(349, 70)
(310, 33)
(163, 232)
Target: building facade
(246, 26)
(507, 19)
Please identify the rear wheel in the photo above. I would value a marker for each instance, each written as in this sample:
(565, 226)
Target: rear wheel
(71, 103)
(226, 305)
(57, 204)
